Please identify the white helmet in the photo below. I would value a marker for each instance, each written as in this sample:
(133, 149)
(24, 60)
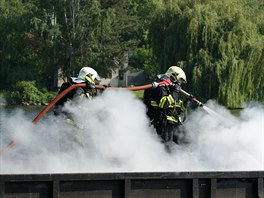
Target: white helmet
(176, 74)
(91, 72)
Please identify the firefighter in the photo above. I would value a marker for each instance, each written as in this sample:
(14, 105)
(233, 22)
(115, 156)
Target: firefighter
(164, 107)
(86, 75)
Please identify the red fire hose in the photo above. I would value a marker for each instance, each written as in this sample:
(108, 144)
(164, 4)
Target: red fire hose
(74, 86)
(55, 100)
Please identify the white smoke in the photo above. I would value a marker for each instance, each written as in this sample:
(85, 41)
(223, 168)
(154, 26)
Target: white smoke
(111, 134)
(2, 101)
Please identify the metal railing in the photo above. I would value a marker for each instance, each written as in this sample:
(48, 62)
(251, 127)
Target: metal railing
(135, 185)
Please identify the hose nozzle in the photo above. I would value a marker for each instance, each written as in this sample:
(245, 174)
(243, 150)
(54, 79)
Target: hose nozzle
(191, 97)
(197, 101)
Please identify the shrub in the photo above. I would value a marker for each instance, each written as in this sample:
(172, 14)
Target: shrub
(25, 92)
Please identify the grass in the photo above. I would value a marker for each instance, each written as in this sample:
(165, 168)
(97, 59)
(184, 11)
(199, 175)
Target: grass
(139, 94)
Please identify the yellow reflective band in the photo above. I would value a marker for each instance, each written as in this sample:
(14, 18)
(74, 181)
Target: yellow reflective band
(178, 104)
(170, 99)
(88, 96)
(162, 101)
(69, 121)
(173, 119)
(89, 79)
(153, 103)
(182, 106)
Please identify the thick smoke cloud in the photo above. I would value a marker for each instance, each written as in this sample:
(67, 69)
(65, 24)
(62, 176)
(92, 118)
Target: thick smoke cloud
(112, 134)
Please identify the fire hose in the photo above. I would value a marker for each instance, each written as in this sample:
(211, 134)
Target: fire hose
(100, 87)
(191, 97)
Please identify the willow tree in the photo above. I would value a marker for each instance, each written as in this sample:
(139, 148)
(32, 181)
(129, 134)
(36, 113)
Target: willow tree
(218, 43)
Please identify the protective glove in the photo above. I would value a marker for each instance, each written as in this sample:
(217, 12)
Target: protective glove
(195, 101)
(164, 82)
(190, 105)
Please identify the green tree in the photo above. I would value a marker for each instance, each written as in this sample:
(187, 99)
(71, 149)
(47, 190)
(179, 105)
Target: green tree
(218, 43)
(17, 48)
(41, 37)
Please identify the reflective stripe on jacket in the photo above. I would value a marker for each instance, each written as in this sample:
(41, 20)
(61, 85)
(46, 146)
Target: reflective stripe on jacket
(168, 103)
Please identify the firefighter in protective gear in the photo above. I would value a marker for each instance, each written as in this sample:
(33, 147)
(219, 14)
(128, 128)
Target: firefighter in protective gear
(164, 106)
(86, 75)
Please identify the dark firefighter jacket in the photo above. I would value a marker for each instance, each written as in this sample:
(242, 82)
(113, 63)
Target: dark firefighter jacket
(75, 95)
(163, 104)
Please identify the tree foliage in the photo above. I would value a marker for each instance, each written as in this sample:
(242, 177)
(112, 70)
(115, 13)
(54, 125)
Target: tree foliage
(218, 43)
(16, 45)
(44, 36)
(26, 93)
